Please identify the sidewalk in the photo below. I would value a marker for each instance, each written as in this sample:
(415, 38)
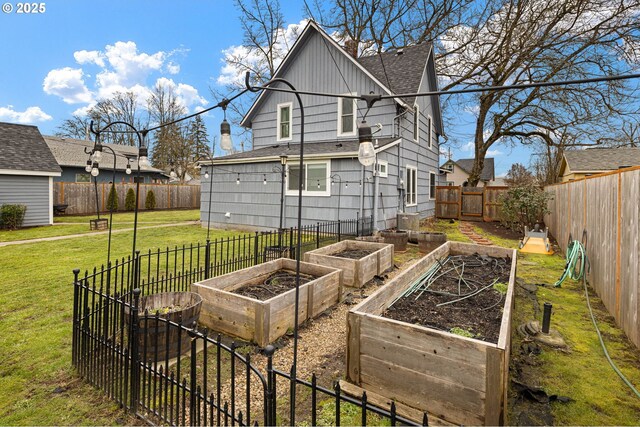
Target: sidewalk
(96, 233)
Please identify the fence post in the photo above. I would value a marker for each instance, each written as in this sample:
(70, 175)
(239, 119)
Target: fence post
(193, 382)
(76, 292)
(133, 341)
(317, 235)
(293, 251)
(357, 224)
(255, 250)
(207, 260)
(270, 403)
(339, 235)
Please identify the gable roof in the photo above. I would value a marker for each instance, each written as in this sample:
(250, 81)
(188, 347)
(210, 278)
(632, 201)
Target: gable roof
(488, 170)
(331, 149)
(600, 159)
(70, 152)
(22, 149)
(368, 66)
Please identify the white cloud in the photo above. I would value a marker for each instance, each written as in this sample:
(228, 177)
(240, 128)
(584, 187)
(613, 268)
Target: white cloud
(469, 146)
(493, 153)
(186, 95)
(173, 68)
(68, 84)
(89, 57)
(30, 115)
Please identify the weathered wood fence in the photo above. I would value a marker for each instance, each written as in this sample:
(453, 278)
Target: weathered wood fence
(607, 207)
(469, 203)
(81, 197)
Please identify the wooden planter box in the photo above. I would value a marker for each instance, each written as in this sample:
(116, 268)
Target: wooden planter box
(98, 224)
(355, 272)
(457, 379)
(265, 321)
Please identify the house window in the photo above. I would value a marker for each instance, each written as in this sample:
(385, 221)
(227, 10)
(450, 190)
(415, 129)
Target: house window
(432, 185)
(284, 121)
(346, 117)
(83, 177)
(450, 183)
(382, 167)
(315, 176)
(430, 130)
(412, 186)
(416, 122)
(136, 179)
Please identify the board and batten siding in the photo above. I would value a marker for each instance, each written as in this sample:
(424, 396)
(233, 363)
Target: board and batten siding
(34, 192)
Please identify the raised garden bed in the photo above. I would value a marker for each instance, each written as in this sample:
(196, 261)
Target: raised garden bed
(263, 321)
(456, 378)
(359, 261)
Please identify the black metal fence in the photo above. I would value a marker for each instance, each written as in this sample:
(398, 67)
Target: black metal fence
(213, 382)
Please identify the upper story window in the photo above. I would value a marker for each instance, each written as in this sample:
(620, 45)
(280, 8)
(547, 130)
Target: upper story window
(430, 130)
(315, 176)
(284, 121)
(416, 122)
(346, 117)
(412, 186)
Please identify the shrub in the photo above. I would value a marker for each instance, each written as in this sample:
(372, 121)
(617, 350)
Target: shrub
(130, 200)
(523, 206)
(150, 201)
(12, 216)
(112, 200)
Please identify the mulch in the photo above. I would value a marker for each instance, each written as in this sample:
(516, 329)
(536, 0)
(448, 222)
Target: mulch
(276, 283)
(353, 253)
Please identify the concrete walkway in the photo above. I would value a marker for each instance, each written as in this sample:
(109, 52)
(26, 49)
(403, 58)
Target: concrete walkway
(96, 233)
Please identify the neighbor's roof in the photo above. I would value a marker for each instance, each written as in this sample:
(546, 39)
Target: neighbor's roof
(22, 148)
(327, 149)
(400, 70)
(601, 159)
(70, 152)
(488, 171)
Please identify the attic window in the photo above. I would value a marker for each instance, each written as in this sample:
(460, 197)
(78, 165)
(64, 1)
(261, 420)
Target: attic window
(416, 122)
(346, 117)
(284, 122)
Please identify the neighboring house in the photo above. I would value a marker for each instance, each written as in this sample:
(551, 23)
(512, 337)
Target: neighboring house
(72, 158)
(580, 163)
(498, 182)
(246, 186)
(457, 172)
(27, 170)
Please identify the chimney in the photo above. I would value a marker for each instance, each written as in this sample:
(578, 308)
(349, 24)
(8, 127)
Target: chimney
(351, 46)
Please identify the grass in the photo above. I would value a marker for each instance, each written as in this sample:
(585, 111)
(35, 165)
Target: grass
(68, 225)
(39, 386)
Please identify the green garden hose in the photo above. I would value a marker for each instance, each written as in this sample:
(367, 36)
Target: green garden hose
(576, 260)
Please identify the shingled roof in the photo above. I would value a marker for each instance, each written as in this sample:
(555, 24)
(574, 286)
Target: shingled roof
(70, 152)
(332, 148)
(488, 171)
(400, 70)
(22, 148)
(601, 159)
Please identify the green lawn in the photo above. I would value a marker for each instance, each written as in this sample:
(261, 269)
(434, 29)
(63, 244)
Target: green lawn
(67, 225)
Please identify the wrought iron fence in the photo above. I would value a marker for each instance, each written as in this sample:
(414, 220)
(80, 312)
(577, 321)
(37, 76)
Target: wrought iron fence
(212, 383)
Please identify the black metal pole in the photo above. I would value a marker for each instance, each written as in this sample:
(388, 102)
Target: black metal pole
(113, 185)
(95, 186)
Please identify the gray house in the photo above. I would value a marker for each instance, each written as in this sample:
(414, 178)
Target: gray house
(27, 170)
(246, 186)
(71, 157)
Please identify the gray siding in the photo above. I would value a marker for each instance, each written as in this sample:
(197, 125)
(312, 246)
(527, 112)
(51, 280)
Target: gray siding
(32, 191)
(106, 175)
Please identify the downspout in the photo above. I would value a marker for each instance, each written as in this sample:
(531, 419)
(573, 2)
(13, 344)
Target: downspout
(362, 192)
(376, 188)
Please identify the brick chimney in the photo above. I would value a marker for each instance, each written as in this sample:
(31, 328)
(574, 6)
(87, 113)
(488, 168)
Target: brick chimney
(351, 46)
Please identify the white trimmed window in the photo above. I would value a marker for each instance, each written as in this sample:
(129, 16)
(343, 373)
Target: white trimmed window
(411, 195)
(416, 122)
(284, 121)
(430, 130)
(346, 117)
(382, 166)
(432, 185)
(315, 176)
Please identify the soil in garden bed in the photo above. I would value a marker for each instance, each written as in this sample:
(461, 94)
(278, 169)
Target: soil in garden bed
(354, 253)
(276, 283)
(470, 306)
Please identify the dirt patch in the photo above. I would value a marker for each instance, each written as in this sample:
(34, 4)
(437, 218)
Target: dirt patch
(277, 283)
(353, 253)
(464, 295)
(499, 230)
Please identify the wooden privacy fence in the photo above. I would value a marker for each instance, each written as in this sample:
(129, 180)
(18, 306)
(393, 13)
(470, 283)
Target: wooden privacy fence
(606, 206)
(469, 203)
(80, 197)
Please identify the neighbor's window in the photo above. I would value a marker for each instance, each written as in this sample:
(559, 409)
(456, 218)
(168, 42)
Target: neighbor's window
(83, 177)
(314, 176)
(416, 122)
(284, 121)
(432, 185)
(412, 186)
(382, 167)
(346, 117)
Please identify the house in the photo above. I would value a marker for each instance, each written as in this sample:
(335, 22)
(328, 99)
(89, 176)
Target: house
(246, 186)
(27, 170)
(72, 158)
(457, 172)
(580, 163)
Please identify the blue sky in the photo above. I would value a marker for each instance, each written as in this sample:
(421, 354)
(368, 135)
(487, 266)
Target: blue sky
(58, 62)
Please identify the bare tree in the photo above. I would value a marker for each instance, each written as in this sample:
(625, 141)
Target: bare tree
(166, 142)
(518, 176)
